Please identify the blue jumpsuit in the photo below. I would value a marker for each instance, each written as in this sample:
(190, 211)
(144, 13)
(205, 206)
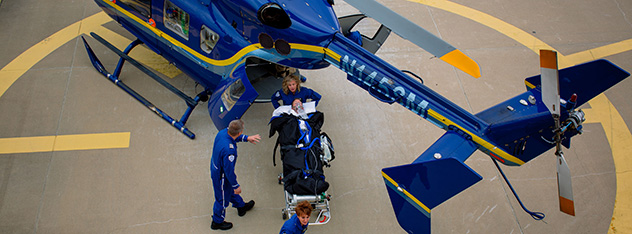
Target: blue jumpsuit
(223, 174)
(293, 226)
(303, 95)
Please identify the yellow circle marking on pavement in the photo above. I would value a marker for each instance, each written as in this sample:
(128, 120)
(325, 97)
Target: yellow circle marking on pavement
(617, 132)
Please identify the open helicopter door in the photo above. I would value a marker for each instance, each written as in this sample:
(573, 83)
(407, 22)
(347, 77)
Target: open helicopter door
(232, 98)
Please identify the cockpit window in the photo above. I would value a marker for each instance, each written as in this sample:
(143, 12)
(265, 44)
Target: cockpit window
(273, 15)
(176, 19)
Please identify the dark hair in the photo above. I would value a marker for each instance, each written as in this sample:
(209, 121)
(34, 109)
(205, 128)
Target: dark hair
(235, 127)
(303, 208)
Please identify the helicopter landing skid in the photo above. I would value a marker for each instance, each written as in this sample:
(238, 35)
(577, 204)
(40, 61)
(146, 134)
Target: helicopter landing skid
(191, 102)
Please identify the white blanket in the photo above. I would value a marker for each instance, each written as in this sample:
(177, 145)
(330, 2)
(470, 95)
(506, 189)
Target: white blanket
(309, 107)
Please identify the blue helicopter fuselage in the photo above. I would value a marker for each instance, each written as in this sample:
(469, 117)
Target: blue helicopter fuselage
(315, 41)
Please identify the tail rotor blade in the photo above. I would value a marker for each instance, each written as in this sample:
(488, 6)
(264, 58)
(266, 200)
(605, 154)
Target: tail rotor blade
(564, 186)
(551, 98)
(550, 81)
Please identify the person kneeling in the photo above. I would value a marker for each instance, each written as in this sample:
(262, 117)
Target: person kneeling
(299, 221)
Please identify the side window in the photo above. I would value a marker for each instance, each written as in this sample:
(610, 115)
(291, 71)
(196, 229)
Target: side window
(141, 6)
(232, 94)
(176, 19)
(208, 39)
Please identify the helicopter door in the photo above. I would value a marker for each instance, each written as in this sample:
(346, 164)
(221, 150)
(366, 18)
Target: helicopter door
(232, 98)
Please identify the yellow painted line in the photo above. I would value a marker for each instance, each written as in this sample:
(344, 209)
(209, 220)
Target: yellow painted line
(413, 198)
(21, 64)
(524, 38)
(600, 52)
(26, 144)
(531, 86)
(25, 61)
(64, 143)
(620, 140)
(619, 136)
(509, 30)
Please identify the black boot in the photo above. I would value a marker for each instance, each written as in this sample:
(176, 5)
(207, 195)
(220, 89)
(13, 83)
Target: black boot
(222, 226)
(241, 211)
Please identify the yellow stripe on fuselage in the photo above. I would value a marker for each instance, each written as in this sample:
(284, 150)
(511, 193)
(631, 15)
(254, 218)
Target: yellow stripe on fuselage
(531, 86)
(414, 199)
(478, 140)
(175, 42)
(226, 62)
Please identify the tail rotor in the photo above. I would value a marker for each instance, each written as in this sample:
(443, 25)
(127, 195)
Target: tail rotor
(551, 98)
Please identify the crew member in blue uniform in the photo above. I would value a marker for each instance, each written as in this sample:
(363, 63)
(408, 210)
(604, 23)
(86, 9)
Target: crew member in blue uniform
(291, 90)
(299, 221)
(225, 186)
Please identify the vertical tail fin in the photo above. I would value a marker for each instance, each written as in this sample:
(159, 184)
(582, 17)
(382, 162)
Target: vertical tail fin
(436, 176)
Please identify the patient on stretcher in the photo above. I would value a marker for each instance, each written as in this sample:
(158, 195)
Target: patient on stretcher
(300, 141)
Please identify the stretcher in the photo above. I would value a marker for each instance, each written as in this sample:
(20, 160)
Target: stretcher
(305, 151)
(320, 202)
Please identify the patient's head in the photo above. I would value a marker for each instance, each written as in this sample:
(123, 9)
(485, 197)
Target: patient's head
(297, 105)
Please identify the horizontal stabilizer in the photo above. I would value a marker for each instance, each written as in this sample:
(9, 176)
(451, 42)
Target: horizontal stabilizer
(436, 176)
(586, 80)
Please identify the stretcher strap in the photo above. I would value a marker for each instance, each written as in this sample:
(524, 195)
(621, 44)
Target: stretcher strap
(306, 152)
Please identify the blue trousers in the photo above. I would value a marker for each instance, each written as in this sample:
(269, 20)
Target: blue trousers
(224, 194)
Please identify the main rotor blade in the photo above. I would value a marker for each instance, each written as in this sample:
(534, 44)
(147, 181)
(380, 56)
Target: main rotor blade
(565, 186)
(550, 81)
(417, 35)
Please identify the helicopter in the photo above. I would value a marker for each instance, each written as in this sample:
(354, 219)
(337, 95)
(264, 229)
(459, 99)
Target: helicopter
(233, 47)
